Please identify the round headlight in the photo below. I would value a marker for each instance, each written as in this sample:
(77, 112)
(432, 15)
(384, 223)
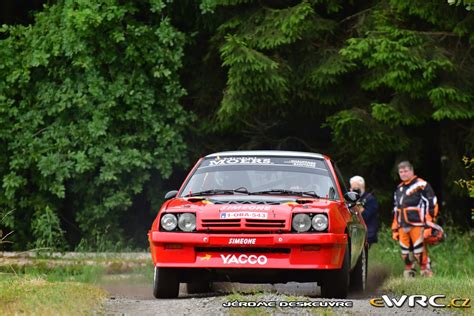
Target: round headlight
(320, 222)
(301, 223)
(187, 222)
(169, 222)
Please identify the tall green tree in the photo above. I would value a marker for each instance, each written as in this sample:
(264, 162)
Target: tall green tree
(388, 79)
(89, 113)
(93, 110)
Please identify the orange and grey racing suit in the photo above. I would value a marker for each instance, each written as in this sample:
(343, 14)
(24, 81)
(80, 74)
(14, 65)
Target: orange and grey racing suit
(415, 204)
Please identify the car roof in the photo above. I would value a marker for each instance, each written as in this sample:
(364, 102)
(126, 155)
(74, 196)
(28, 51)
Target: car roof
(274, 153)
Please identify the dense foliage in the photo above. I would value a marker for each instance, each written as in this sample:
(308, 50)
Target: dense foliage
(93, 111)
(89, 113)
(389, 80)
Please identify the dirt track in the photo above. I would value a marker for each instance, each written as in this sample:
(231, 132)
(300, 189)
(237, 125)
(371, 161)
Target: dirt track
(131, 294)
(137, 299)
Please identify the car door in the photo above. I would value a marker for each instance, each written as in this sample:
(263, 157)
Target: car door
(355, 227)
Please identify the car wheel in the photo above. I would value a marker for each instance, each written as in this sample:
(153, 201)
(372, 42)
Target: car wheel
(358, 282)
(199, 287)
(165, 283)
(335, 283)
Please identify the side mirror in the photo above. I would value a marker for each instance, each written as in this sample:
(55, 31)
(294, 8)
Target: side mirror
(171, 194)
(332, 193)
(351, 198)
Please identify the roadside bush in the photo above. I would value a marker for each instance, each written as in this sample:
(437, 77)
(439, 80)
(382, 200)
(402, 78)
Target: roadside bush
(89, 117)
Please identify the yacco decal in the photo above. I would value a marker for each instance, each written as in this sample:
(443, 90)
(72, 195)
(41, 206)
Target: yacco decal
(242, 241)
(244, 259)
(246, 208)
(257, 215)
(239, 160)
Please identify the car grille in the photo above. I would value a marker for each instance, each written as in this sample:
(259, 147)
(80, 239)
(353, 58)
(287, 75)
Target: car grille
(245, 224)
(218, 223)
(269, 223)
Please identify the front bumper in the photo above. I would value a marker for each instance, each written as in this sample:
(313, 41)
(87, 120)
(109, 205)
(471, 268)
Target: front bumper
(272, 251)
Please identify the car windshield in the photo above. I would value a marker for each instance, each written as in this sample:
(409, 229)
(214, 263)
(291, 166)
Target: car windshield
(262, 175)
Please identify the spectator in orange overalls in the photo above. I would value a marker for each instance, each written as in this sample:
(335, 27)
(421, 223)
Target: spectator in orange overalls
(415, 204)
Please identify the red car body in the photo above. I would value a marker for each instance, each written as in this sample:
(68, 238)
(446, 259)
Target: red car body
(249, 237)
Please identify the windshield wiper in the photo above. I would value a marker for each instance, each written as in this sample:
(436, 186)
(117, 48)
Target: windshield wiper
(310, 193)
(242, 190)
(219, 191)
(288, 192)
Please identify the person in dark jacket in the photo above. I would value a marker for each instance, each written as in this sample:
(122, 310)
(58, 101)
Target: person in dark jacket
(368, 206)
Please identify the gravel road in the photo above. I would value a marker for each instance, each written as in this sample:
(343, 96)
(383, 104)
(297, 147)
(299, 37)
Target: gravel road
(136, 299)
(131, 294)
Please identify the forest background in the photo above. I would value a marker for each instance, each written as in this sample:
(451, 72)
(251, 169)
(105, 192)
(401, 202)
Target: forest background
(106, 104)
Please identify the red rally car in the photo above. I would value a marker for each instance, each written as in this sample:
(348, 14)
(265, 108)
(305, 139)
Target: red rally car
(260, 217)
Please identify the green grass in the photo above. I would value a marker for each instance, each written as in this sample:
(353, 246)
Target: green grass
(430, 286)
(452, 264)
(452, 258)
(35, 295)
(59, 286)
(80, 270)
(76, 272)
(51, 287)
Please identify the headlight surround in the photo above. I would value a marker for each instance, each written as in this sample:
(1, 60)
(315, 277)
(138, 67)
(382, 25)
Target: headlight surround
(301, 223)
(187, 222)
(169, 222)
(320, 222)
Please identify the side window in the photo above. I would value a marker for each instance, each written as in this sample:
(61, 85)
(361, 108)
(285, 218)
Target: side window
(340, 178)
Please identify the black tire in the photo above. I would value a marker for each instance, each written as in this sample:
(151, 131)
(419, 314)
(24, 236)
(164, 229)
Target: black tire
(335, 283)
(165, 283)
(358, 282)
(199, 287)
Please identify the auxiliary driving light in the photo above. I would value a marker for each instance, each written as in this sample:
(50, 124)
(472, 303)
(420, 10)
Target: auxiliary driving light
(320, 222)
(187, 222)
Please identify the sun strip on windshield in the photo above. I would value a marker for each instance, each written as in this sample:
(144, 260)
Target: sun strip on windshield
(263, 161)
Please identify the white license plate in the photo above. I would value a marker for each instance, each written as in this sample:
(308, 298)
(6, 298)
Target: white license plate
(255, 215)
